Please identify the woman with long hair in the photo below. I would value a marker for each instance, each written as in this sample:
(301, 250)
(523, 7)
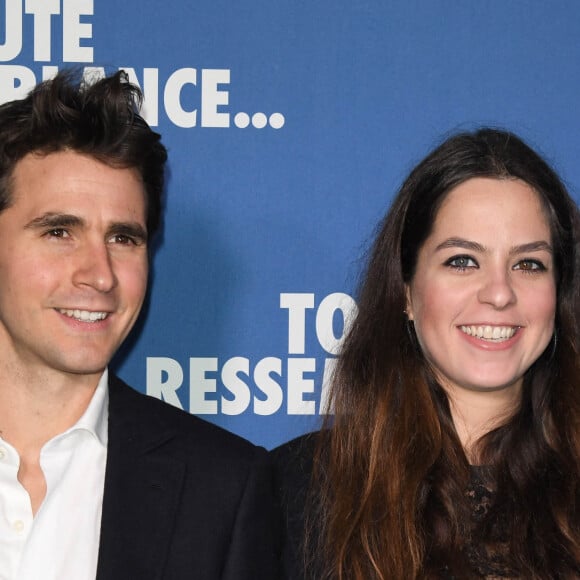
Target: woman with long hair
(453, 449)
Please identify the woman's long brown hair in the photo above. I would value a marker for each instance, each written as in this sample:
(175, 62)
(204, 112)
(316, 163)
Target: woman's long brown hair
(389, 487)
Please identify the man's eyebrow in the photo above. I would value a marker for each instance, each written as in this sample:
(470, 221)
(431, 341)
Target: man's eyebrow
(537, 246)
(55, 220)
(130, 229)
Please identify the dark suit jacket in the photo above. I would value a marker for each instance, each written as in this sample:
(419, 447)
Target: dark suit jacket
(183, 498)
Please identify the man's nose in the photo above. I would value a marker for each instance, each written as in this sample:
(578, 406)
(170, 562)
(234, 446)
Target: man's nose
(94, 268)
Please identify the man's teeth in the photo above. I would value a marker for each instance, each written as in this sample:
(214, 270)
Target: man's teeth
(84, 315)
(490, 332)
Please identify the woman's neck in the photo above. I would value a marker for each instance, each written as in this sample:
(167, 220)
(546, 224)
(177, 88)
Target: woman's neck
(477, 412)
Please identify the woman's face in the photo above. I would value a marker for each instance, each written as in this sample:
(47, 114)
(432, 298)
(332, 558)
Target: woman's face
(483, 297)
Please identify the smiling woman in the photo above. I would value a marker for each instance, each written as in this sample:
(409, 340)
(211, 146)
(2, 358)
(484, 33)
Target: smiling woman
(453, 450)
(483, 299)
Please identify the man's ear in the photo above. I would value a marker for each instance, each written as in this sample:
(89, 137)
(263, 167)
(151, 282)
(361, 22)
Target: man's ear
(409, 303)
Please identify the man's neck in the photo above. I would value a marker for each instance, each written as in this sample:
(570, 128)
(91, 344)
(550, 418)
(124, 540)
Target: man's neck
(34, 408)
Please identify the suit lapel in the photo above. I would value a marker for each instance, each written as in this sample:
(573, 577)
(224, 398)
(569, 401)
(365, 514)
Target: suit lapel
(142, 491)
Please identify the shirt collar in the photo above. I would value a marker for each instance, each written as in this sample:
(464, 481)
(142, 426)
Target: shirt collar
(95, 419)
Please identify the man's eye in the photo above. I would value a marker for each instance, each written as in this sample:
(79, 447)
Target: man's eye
(125, 240)
(57, 233)
(461, 262)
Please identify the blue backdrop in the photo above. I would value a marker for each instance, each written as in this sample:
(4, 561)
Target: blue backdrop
(290, 124)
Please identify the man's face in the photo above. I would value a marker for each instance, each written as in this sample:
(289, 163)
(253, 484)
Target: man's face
(73, 264)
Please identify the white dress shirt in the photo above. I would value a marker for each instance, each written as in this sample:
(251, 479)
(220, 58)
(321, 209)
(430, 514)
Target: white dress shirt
(62, 541)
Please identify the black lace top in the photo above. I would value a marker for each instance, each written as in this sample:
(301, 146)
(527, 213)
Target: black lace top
(486, 562)
(293, 461)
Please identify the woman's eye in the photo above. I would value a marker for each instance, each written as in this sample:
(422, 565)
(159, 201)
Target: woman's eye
(530, 266)
(461, 262)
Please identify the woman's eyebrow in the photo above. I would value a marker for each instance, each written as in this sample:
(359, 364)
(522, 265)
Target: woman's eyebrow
(460, 243)
(536, 246)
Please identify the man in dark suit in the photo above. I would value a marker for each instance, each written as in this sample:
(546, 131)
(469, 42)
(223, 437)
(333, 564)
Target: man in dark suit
(97, 480)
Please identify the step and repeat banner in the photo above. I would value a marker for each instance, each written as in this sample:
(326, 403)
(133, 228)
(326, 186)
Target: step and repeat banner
(290, 125)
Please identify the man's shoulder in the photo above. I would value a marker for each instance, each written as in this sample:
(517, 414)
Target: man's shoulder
(193, 436)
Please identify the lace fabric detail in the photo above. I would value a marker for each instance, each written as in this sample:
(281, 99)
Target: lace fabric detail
(488, 561)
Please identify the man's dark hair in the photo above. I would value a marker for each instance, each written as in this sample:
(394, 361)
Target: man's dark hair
(99, 119)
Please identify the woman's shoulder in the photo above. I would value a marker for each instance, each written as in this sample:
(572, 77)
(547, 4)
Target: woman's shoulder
(297, 452)
(294, 462)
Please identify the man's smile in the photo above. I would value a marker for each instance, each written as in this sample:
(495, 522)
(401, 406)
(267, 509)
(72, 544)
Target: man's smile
(84, 315)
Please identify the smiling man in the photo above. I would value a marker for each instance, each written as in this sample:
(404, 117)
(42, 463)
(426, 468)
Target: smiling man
(97, 480)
